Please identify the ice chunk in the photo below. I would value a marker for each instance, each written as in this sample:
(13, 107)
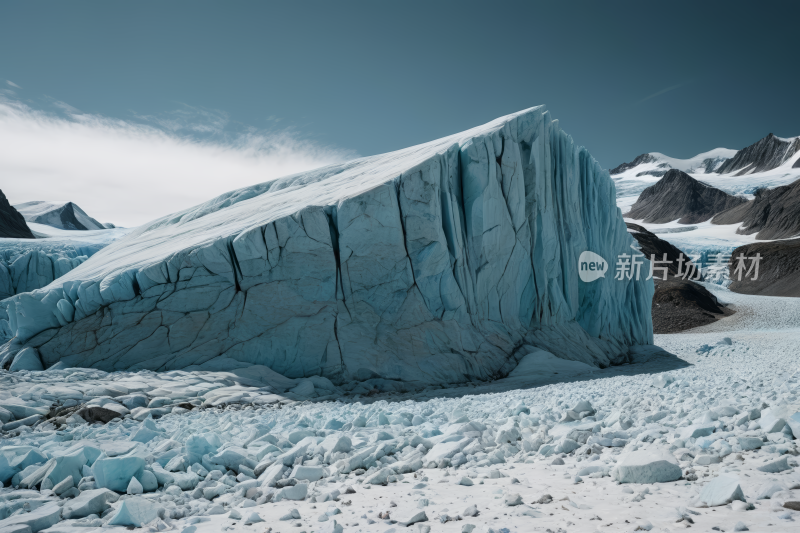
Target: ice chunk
(89, 502)
(513, 499)
(697, 430)
(304, 389)
(776, 466)
(14, 459)
(331, 526)
(134, 487)
(794, 424)
(38, 519)
(721, 490)
(254, 518)
(135, 512)
(446, 450)
(648, 466)
(63, 486)
(293, 514)
(581, 410)
(768, 489)
(232, 457)
(21, 409)
(144, 435)
(309, 473)
(380, 477)
(662, 380)
(541, 365)
(749, 443)
(272, 474)
(115, 473)
(773, 419)
(707, 459)
(296, 492)
(66, 465)
(197, 446)
(27, 359)
(418, 517)
(29, 421)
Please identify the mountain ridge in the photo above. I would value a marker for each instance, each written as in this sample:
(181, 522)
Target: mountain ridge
(678, 196)
(66, 216)
(12, 223)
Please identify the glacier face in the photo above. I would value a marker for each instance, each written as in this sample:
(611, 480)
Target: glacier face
(435, 263)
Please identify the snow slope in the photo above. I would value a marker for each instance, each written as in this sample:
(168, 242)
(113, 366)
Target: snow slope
(435, 263)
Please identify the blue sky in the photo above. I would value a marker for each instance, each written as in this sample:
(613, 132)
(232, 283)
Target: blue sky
(334, 79)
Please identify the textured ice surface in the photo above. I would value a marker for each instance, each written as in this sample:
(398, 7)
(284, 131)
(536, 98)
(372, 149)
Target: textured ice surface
(525, 455)
(432, 264)
(27, 265)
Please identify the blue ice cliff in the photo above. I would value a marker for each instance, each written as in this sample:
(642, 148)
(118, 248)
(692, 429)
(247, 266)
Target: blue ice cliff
(442, 262)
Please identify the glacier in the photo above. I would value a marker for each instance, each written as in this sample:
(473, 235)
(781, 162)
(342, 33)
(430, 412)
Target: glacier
(442, 262)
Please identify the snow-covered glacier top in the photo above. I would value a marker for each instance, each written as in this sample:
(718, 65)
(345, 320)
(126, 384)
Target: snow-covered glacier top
(236, 211)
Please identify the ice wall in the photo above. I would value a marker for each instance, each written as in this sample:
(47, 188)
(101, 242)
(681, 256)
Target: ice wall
(436, 263)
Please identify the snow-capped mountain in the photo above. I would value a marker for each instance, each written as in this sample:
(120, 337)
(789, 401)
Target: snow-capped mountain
(768, 163)
(766, 174)
(58, 215)
(769, 153)
(678, 196)
(771, 214)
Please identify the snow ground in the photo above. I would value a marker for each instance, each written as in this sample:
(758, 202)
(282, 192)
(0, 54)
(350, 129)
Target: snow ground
(720, 373)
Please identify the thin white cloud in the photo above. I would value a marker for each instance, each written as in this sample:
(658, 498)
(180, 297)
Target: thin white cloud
(662, 91)
(13, 84)
(130, 173)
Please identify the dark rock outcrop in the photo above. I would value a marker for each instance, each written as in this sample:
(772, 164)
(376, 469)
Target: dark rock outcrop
(778, 271)
(772, 214)
(679, 305)
(12, 224)
(766, 154)
(678, 196)
(96, 414)
(640, 160)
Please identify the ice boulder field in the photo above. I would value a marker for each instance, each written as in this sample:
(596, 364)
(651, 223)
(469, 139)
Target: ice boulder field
(397, 343)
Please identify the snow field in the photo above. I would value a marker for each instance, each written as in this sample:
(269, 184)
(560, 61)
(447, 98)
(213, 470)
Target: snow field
(717, 412)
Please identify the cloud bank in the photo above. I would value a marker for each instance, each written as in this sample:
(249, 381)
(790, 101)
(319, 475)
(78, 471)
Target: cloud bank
(129, 173)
